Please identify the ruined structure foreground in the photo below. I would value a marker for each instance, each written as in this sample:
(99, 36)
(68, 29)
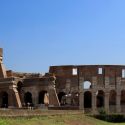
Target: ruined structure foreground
(84, 87)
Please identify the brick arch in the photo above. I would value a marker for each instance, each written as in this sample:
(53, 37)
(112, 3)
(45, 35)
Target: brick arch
(19, 85)
(87, 99)
(86, 85)
(61, 97)
(41, 96)
(112, 97)
(28, 98)
(123, 97)
(100, 98)
(4, 99)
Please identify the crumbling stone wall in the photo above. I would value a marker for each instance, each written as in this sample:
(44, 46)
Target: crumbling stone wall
(106, 86)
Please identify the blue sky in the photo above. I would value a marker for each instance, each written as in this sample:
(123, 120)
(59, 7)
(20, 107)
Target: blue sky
(36, 34)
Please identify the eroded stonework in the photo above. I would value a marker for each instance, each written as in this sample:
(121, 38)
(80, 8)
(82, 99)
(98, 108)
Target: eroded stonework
(91, 87)
(26, 89)
(84, 87)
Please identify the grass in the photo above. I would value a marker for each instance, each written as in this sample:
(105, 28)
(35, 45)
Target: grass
(67, 119)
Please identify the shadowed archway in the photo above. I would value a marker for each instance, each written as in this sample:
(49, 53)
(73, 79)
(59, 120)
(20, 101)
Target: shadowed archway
(100, 99)
(41, 97)
(28, 98)
(4, 101)
(87, 99)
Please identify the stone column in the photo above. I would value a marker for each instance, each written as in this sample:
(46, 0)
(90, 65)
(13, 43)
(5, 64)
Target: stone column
(94, 84)
(81, 101)
(35, 98)
(118, 96)
(118, 104)
(81, 94)
(11, 98)
(107, 102)
(94, 102)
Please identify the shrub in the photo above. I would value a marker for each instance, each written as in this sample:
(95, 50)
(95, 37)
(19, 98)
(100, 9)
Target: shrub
(102, 111)
(115, 118)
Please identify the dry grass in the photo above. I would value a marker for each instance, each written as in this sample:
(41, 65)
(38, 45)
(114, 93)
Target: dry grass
(50, 118)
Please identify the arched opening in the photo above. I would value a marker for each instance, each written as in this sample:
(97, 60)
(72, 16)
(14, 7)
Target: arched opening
(87, 99)
(62, 98)
(123, 100)
(100, 99)
(112, 97)
(19, 86)
(41, 97)
(19, 89)
(28, 98)
(4, 103)
(87, 85)
(112, 101)
(123, 97)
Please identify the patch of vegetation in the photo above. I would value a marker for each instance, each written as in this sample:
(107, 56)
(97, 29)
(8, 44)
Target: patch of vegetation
(69, 119)
(115, 118)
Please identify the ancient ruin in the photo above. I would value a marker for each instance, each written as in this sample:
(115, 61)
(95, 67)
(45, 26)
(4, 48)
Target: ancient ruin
(91, 87)
(84, 87)
(26, 89)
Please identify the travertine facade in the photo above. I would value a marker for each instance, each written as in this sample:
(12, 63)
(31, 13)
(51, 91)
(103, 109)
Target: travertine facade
(91, 87)
(26, 89)
(84, 87)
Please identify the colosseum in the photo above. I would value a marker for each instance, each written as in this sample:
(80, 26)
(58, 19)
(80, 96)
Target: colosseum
(83, 87)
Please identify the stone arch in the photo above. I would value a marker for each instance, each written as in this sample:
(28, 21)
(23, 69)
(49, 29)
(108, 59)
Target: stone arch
(86, 85)
(61, 97)
(100, 98)
(112, 97)
(123, 97)
(87, 99)
(123, 101)
(42, 96)
(4, 99)
(28, 98)
(19, 86)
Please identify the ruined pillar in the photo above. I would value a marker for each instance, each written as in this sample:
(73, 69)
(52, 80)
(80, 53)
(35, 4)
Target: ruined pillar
(107, 102)
(94, 102)
(17, 96)
(11, 99)
(94, 84)
(118, 105)
(53, 98)
(81, 94)
(118, 96)
(35, 97)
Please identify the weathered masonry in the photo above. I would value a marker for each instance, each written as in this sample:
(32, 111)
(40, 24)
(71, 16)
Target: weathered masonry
(84, 87)
(91, 87)
(25, 89)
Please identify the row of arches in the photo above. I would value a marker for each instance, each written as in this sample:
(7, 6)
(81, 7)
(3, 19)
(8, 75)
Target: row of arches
(28, 95)
(41, 97)
(100, 97)
(88, 99)
(27, 98)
